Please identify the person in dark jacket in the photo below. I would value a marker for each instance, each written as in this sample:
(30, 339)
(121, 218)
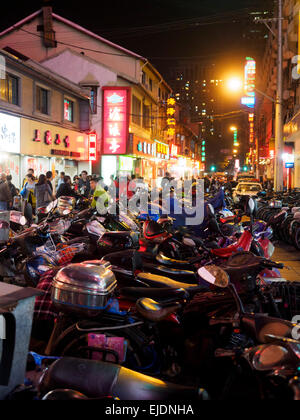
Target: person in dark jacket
(49, 176)
(65, 188)
(11, 186)
(84, 184)
(43, 194)
(5, 194)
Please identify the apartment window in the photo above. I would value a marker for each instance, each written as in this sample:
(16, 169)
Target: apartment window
(136, 110)
(42, 100)
(93, 100)
(68, 110)
(146, 116)
(143, 78)
(9, 89)
(151, 84)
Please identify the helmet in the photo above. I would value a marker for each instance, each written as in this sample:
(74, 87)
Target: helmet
(154, 231)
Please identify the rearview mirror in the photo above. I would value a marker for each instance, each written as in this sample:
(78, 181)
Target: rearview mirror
(251, 205)
(210, 210)
(214, 275)
(51, 206)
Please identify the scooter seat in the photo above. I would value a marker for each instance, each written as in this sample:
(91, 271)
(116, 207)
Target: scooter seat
(135, 293)
(176, 274)
(156, 311)
(97, 379)
(162, 259)
(160, 281)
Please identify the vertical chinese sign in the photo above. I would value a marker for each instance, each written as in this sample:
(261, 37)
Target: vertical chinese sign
(249, 83)
(92, 147)
(116, 111)
(171, 121)
(249, 100)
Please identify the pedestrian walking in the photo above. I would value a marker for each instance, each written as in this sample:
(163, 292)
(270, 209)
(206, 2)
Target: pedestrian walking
(43, 194)
(5, 194)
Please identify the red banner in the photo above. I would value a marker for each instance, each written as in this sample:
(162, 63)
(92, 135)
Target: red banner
(116, 111)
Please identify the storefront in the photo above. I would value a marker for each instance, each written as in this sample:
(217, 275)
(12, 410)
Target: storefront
(47, 147)
(152, 158)
(10, 144)
(116, 165)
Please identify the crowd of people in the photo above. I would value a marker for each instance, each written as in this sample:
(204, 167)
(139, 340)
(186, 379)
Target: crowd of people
(39, 191)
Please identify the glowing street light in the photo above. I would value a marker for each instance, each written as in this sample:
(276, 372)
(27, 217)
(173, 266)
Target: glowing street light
(234, 84)
(233, 128)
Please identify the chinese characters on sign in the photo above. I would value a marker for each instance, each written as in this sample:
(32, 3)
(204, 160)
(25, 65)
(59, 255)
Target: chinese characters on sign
(92, 147)
(171, 121)
(249, 88)
(10, 129)
(116, 105)
(162, 150)
(49, 140)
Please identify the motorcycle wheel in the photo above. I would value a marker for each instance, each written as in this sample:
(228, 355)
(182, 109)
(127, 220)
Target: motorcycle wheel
(140, 357)
(296, 236)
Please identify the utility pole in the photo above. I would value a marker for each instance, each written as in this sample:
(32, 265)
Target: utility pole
(278, 169)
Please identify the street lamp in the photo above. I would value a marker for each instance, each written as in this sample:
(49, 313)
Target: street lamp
(234, 84)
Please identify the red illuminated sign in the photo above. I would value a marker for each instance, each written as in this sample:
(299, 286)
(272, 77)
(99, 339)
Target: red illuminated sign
(116, 109)
(92, 147)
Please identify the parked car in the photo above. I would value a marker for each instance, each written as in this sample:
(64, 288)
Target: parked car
(246, 188)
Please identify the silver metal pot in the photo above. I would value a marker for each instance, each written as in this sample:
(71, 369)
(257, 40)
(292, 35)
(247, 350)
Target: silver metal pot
(83, 288)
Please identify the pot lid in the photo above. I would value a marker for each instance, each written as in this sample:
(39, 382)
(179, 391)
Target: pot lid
(87, 275)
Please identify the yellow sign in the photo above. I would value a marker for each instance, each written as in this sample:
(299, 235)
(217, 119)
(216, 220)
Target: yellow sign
(171, 121)
(162, 148)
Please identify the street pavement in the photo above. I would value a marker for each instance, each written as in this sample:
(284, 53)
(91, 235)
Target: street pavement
(290, 257)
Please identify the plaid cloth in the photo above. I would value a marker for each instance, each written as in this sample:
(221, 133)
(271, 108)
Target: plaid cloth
(44, 308)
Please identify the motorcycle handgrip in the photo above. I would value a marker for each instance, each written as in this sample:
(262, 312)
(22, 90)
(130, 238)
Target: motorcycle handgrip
(218, 321)
(23, 235)
(272, 264)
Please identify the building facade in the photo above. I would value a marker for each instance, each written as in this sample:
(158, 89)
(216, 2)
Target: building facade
(44, 121)
(96, 64)
(265, 110)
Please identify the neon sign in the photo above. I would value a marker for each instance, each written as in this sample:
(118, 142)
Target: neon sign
(249, 83)
(92, 147)
(116, 108)
(248, 101)
(171, 121)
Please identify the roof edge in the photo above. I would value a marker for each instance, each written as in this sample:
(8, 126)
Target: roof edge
(20, 23)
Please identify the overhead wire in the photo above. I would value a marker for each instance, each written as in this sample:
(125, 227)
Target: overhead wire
(164, 27)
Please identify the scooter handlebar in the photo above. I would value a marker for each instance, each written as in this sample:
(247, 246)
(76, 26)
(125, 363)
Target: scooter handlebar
(272, 264)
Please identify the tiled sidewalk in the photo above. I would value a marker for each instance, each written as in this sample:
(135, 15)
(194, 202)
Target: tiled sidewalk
(290, 257)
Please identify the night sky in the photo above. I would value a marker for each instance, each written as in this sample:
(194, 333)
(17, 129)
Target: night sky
(165, 31)
(215, 32)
